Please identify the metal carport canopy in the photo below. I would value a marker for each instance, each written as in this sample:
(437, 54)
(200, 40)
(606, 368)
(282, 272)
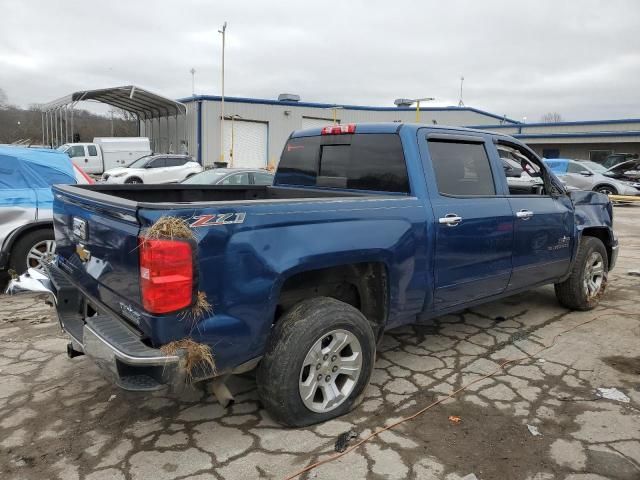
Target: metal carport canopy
(133, 99)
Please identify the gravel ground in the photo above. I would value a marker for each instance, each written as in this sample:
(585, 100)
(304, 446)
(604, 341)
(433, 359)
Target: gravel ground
(60, 419)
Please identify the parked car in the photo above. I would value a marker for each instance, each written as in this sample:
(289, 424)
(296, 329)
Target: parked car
(587, 175)
(106, 153)
(627, 171)
(231, 176)
(154, 169)
(367, 227)
(26, 224)
(81, 176)
(615, 158)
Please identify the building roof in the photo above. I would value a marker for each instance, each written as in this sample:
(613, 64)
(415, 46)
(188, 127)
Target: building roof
(566, 124)
(264, 101)
(131, 98)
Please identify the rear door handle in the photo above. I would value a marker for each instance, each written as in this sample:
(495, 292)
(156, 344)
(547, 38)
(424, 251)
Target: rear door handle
(450, 219)
(524, 214)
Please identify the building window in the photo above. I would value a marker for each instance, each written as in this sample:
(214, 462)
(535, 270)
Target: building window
(599, 156)
(551, 152)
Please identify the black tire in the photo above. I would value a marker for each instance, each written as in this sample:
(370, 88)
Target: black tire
(606, 189)
(20, 250)
(291, 339)
(133, 180)
(573, 292)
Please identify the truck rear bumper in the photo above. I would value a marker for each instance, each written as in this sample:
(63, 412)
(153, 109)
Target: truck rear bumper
(116, 348)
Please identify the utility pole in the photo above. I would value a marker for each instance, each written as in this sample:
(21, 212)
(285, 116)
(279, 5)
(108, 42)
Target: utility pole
(461, 103)
(193, 81)
(417, 102)
(223, 32)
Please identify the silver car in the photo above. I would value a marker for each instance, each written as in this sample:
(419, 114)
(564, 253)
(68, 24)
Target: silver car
(586, 175)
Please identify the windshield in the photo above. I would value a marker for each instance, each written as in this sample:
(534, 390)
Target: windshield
(208, 177)
(63, 148)
(140, 163)
(596, 167)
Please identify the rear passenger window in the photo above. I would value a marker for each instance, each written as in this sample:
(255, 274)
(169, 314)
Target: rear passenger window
(92, 150)
(157, 163)
(175, 161)
(360, 162)
(461, 168)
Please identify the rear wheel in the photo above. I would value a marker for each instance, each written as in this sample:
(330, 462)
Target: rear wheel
(318, 362)
(133, 180)
(32, 249)
(607, 190)
(588, 280)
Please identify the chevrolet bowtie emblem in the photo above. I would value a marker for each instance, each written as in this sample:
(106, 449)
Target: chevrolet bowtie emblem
(83, 253)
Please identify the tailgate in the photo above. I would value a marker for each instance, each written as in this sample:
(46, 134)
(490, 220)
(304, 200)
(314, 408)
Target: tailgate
(97, 244)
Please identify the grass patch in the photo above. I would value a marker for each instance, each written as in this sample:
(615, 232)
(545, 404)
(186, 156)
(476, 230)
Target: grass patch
(192, 355)
(169, 227)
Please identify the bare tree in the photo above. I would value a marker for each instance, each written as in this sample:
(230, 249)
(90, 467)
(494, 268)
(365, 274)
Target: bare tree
(551, 117)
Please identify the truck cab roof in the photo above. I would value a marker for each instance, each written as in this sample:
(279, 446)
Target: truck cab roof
(393, 127)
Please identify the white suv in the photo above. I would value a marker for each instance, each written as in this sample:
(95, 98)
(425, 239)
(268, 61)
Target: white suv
(166, 168)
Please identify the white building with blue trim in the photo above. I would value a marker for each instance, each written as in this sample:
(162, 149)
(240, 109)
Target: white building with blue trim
(257, 129)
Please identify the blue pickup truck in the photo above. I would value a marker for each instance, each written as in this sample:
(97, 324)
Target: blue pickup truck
(367, 227)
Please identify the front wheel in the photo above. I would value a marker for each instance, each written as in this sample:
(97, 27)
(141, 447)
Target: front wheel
(133, 180)
(588, 280)
(318, 362)
(607, 190)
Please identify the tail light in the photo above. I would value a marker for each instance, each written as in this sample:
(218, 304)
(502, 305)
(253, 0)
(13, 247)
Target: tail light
(166, 275)
(339, 129)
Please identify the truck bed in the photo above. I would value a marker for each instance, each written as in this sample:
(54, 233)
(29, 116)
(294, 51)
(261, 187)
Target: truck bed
(174, 196)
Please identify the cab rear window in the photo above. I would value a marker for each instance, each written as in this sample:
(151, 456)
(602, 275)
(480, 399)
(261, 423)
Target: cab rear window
(360, 162)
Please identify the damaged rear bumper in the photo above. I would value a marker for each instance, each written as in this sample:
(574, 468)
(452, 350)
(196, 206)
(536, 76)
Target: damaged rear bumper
(116, 348)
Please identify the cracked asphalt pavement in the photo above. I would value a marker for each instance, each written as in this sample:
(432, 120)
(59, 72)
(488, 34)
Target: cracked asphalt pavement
(60, 419)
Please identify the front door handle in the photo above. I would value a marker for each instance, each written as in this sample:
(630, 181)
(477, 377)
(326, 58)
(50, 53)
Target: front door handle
(450, 219)
(524, 214)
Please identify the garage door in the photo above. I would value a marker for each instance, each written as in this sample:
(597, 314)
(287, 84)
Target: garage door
(249, 144)
(316, 122)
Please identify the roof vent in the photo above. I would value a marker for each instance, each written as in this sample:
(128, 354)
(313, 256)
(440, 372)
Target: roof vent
(288, 97)
(403, 102)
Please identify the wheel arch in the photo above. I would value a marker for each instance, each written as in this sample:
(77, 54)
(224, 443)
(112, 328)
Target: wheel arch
(604, 234)
(14, 236)
(364, 285)
(605, 184)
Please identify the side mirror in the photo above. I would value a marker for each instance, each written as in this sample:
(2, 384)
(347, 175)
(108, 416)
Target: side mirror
(586, 173)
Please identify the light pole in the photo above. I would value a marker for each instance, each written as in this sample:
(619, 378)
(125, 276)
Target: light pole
(193, 81)
(334, 111)
(223, 32)
(233, 117)
(460, 102)
(417, 102)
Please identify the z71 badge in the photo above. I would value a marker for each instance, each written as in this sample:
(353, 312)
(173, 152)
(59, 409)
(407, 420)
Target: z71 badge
(218, 219)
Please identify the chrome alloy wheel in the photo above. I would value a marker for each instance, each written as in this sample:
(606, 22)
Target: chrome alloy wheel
(593, 274)
(41, 252)
(330, 371)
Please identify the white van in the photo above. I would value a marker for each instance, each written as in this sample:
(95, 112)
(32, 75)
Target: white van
(106, 153)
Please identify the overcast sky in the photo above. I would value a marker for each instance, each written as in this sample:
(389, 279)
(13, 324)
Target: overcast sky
(523, 59)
